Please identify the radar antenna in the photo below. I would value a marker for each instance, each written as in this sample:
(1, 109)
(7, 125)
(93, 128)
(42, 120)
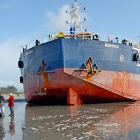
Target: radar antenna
(75, 17)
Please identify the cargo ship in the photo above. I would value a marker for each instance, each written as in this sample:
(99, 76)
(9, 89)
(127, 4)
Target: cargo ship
(80, 68)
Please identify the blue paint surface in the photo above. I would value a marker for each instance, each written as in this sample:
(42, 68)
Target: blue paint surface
(73, 53)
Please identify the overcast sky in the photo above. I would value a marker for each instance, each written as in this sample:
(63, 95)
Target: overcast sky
(22, 21)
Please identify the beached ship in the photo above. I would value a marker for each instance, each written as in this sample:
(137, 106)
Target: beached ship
(80, 68)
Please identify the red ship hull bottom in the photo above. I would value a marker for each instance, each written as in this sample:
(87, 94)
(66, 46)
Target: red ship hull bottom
(66, 87)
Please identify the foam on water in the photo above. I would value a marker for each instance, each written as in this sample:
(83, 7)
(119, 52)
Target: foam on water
(100, 121)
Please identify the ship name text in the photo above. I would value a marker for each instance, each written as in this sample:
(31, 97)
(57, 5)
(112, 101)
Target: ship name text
(111, 45)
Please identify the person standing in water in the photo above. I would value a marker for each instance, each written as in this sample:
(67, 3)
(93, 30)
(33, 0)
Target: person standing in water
(11, 101)
(2, 104)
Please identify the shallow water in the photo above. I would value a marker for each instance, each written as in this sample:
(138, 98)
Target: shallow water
(116, 121)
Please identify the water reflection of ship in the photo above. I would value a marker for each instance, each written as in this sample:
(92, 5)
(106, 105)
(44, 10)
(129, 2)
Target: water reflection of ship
(124, 124)
(112, 121)
(12, 126)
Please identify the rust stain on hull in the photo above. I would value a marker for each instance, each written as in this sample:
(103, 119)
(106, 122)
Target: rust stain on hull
(62, 87)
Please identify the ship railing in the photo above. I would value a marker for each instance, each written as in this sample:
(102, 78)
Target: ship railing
(82, 36)
(94, 36)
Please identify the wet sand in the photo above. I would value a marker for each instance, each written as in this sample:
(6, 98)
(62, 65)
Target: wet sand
(116, 121)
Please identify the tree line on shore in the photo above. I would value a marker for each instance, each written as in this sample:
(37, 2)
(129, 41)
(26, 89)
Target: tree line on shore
(9, 89)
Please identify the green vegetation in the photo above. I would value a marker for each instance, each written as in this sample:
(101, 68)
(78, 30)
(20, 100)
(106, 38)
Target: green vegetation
(8, 89)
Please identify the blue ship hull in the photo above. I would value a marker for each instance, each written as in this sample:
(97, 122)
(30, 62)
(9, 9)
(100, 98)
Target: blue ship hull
(60, 71)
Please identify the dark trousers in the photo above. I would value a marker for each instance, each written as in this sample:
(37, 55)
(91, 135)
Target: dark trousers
(12, 110)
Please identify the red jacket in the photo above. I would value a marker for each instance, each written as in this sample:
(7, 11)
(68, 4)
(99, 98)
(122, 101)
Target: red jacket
(11, 101)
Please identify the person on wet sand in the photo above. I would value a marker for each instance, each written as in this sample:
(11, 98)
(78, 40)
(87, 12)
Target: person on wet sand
(11, 101)
(2, 105)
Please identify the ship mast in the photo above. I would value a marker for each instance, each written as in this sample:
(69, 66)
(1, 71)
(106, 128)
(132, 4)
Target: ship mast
(75, 18)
